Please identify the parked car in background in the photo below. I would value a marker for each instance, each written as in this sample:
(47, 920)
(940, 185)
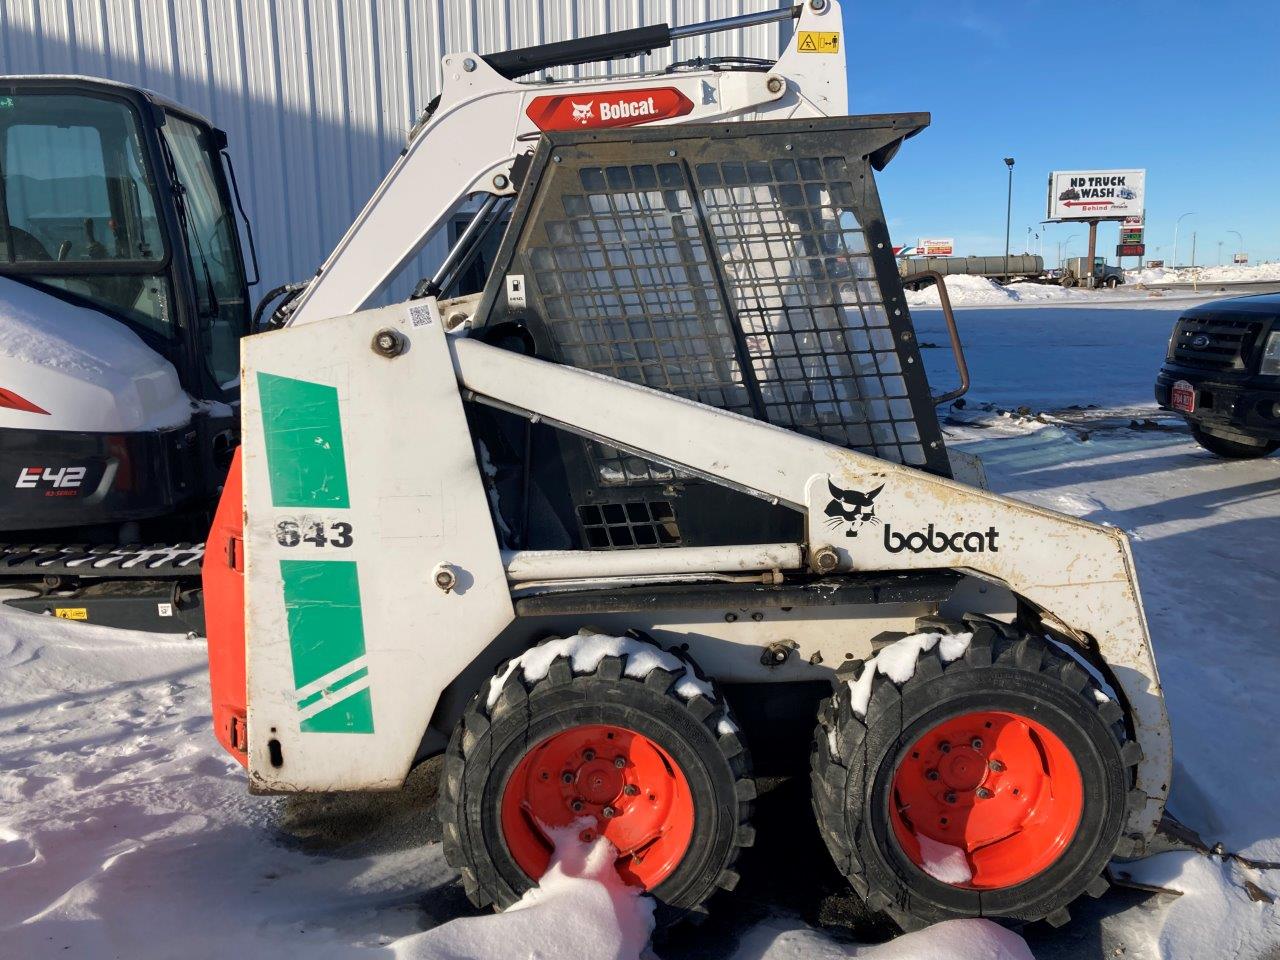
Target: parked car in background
(1222, 374)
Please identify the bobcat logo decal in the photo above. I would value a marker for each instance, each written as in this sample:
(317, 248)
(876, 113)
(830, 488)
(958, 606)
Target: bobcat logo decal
(582, 111)
(852, 507)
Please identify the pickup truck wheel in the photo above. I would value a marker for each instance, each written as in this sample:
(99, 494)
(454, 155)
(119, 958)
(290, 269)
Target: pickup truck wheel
(638, 748)
(1113, 282)
(1232, 449)
(996, 784)
(1068, 281)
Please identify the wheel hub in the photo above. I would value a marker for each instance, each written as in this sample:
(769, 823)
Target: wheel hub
(998, 788)
(611, 781)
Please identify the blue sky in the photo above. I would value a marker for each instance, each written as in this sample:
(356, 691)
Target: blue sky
(1187, 90)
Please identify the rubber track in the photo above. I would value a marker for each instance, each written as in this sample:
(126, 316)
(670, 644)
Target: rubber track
(479, 880)
(993, 642)
(104, 561)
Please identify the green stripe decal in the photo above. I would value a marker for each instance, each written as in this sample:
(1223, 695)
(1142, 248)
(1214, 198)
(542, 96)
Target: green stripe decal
(333, 687)
(352, 715)
(303, 434)
(326, 632)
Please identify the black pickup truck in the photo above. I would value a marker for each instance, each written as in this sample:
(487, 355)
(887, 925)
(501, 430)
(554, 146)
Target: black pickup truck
(1222, 373)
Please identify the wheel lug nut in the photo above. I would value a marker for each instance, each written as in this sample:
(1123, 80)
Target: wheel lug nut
(951, 798)
(976, 743)
(630, 789)
(619, 762)
(576, 806)
(566, 777)
(984, 793)
(944, 747)
(996, 766)
(588, 755)
(931, 775)
(608, 812)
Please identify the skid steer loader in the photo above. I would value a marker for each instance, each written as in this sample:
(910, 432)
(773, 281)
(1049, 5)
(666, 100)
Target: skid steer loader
(602, 531)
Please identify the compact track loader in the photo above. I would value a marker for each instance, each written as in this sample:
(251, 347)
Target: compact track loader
(668, 490)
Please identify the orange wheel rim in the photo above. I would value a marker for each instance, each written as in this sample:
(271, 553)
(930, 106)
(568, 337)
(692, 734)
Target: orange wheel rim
(623, 785)
(993, 794)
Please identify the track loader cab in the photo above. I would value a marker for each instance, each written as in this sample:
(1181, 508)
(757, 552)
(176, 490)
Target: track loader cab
(122, 302)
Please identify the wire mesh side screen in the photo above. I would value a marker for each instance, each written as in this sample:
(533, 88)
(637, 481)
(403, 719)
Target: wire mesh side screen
(750, 271)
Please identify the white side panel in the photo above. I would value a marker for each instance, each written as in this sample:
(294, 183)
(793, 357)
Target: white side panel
(318, 97)
(413, 499)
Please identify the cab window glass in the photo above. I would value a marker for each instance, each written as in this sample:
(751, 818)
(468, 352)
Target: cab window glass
(211, 240)
(77, 192)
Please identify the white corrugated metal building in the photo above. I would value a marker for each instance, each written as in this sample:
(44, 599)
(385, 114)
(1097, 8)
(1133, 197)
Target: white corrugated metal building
(317, 96)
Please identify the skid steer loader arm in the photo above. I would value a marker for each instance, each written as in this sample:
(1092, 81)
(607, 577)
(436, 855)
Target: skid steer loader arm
(484, 121)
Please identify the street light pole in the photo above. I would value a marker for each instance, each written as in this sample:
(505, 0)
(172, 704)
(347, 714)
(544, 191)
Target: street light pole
(1175, 238)
(1008, 216)
(1241, 239)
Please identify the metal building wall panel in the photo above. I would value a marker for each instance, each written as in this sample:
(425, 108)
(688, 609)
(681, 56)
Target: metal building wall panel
(317, 96)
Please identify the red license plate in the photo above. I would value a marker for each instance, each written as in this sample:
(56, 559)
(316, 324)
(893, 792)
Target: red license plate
(1183, 397)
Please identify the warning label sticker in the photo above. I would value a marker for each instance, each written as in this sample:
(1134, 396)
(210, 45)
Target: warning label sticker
(71, 613)
(819, 41)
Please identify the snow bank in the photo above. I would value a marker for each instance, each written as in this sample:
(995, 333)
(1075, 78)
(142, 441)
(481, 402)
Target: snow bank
(586, 650)
(966, 291)
(1227, 273)
(897, 661)
(779, 939)
(580, 909)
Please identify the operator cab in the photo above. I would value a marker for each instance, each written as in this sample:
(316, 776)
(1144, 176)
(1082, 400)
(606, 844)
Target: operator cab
(116, 199)
(123, 298)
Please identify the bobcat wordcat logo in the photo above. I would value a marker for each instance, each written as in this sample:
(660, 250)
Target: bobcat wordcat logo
(853, 510)
(624, 108)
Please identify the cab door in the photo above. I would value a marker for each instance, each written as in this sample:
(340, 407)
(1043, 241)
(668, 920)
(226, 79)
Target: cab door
(212, 252)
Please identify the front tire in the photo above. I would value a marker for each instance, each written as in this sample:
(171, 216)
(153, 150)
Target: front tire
(639, 743)
(995, 785)
(1232, 449)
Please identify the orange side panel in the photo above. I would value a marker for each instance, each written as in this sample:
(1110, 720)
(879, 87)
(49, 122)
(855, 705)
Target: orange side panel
(224, 617)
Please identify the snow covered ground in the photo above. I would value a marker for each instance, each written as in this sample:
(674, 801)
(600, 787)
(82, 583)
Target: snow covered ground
(126, 832)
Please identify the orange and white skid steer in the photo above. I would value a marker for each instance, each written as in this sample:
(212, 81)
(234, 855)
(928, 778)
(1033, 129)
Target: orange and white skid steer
(664, 496)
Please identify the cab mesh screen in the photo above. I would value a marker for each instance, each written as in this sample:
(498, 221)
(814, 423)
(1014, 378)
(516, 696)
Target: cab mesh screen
(746, 284)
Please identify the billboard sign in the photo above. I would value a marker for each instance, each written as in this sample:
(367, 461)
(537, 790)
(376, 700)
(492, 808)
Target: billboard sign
(1096, 194)
(1241, 258)
(945, 247)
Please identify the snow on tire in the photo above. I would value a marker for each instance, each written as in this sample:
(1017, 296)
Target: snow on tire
(989, 778)
(614, 736)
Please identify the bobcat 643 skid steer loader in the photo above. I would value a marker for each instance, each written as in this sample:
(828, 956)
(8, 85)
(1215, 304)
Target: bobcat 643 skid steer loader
(601, 531)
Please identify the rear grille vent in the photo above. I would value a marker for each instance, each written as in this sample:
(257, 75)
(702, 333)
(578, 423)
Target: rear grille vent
(1215, 344)
(629, 524)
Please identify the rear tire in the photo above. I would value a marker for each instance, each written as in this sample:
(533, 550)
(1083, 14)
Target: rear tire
(682, 757)
(1231, 449)
(871, 775)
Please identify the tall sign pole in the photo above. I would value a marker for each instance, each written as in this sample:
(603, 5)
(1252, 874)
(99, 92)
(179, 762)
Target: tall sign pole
(1093, 249)
(1008, 216)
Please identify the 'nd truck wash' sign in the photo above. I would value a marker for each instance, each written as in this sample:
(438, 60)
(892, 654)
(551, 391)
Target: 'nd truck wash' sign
(1095, 194)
